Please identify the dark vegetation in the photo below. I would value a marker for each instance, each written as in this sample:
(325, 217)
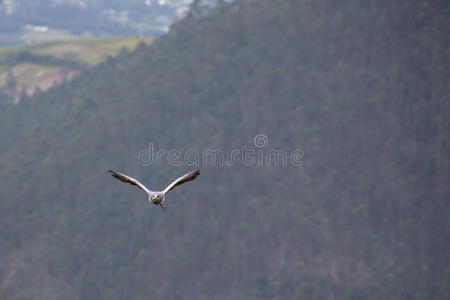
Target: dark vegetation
(361, 88)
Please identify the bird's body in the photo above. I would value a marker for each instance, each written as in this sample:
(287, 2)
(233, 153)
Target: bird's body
(156, 197)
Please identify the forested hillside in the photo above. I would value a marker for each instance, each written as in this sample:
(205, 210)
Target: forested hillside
(361, 88)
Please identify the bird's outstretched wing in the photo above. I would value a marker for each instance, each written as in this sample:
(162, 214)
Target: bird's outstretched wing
(127, 179)
(185, 178)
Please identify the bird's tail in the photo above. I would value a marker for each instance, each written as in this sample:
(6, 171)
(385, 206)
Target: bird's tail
(162, 206)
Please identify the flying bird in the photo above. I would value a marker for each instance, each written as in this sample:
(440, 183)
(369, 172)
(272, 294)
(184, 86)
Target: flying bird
(156, 197)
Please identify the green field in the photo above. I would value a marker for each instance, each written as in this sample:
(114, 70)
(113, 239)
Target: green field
(48, 63)
(90, 51)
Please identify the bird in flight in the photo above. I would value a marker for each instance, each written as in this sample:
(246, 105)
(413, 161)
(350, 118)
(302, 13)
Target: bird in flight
(156, 197)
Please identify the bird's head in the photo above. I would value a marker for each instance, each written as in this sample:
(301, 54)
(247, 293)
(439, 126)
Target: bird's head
(156, 199)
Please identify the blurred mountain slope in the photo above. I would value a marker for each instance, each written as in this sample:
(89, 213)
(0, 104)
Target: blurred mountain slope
(24, 21)
(361, 89)
(27, 68)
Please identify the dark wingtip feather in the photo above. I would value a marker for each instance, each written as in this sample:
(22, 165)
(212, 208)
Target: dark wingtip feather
(194, 174)
(115, 174)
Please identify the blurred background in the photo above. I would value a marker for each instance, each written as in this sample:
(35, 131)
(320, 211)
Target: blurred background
(361, 89)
